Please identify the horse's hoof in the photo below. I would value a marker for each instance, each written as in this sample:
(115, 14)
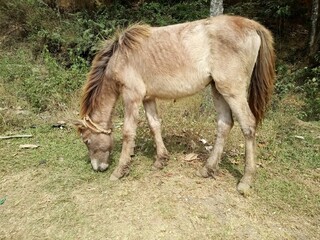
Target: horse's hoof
(114, 178)
(206, 172)
(244, 189)
(158, 165)
(160, 162)
(116, 175)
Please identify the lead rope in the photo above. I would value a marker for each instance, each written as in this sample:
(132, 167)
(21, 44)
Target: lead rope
(94, 127)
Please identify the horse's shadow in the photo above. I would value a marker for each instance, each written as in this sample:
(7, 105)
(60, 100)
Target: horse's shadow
(186, 143)
(176, 144)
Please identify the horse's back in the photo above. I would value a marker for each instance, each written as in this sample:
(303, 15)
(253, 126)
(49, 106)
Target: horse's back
(173, 61)
(180, 60)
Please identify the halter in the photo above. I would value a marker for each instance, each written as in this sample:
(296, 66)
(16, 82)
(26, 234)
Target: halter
(88, 123)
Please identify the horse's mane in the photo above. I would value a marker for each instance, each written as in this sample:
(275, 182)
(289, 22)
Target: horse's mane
(123, 42)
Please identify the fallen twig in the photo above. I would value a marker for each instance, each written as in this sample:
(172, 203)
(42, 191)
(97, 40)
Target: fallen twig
(16, 136)
(28, 146)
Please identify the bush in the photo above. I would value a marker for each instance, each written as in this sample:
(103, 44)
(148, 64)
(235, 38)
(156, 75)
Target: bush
(42, 84)
(311, 91)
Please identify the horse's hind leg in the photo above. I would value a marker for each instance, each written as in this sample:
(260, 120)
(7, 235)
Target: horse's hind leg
(240, 108)
(155, 126)
(224, 124)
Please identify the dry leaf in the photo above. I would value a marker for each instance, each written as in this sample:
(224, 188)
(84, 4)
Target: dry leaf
(190, 157)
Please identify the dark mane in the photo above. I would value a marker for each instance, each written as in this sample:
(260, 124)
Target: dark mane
(124, 41)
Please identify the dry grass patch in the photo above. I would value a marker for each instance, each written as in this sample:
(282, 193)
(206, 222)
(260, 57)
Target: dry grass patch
(51, 192)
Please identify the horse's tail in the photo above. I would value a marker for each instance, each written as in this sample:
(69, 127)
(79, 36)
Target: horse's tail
(263, 76)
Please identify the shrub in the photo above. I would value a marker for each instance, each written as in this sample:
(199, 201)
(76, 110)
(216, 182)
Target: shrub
(311, 91)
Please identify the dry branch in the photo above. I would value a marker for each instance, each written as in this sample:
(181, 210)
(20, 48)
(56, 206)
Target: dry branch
(16, 136)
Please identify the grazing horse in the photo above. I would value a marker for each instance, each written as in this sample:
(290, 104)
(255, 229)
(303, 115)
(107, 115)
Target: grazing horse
(233, 55)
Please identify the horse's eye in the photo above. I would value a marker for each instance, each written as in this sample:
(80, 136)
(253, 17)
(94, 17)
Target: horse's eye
(87, 141)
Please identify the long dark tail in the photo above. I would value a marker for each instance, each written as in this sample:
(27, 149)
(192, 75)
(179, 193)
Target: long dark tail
(263, 76)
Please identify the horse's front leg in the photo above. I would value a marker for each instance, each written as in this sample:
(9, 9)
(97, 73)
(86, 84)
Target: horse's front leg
(155, 126)
(129, 132)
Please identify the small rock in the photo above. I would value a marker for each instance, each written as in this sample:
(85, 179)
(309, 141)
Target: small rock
(260, 165)
(299, 137)
(208, 148)
(42, 162)
(59, 124)
(203, 141)
(20, 111)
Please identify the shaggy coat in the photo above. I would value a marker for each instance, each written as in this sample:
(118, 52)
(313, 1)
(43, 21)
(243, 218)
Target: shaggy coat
(233, 55)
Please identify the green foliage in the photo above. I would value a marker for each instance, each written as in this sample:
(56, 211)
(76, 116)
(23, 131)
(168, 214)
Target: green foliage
(311, 91)
(2, 200)
(66, 43)
(160, 14)
(305, 81)
(75, 40)
(285, 82)
(44, 85)
(267, 10)
(52, 87)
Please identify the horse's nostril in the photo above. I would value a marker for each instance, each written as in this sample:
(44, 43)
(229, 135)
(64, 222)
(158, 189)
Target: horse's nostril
(94, 164)
(103, 167)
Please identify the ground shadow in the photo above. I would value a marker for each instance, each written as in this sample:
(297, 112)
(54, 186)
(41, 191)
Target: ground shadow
(184, 143)
(230, 167)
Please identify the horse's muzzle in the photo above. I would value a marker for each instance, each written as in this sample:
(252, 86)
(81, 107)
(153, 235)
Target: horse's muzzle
(99, 167)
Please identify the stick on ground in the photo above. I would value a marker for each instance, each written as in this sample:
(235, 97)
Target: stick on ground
(16, 136)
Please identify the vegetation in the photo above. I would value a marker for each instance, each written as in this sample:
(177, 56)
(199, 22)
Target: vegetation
(46, 48)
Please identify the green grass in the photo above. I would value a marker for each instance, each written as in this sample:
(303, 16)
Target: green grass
(46, 183)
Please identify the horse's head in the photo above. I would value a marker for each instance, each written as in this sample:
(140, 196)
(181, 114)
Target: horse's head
(98, 141)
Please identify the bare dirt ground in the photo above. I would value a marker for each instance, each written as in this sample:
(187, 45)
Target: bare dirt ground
(169, 204)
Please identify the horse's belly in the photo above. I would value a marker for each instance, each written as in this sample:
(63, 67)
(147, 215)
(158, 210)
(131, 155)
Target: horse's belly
(171, 87)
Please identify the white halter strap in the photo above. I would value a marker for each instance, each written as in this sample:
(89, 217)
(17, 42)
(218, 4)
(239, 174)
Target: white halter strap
(88, 123)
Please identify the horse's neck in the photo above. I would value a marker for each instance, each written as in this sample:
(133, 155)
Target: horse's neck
(102, 114)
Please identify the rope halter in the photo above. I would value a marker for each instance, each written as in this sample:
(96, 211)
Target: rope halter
(88, 123)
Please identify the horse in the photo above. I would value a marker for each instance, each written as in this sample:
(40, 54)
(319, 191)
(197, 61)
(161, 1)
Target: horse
(232, 54)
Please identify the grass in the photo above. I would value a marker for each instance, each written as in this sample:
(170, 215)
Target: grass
(51, 189)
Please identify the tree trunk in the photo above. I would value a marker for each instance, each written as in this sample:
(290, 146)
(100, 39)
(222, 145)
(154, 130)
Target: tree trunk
(315, 30)
(216, 7)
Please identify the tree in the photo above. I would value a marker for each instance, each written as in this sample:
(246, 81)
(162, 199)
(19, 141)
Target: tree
(216, 7)
(315, 30)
